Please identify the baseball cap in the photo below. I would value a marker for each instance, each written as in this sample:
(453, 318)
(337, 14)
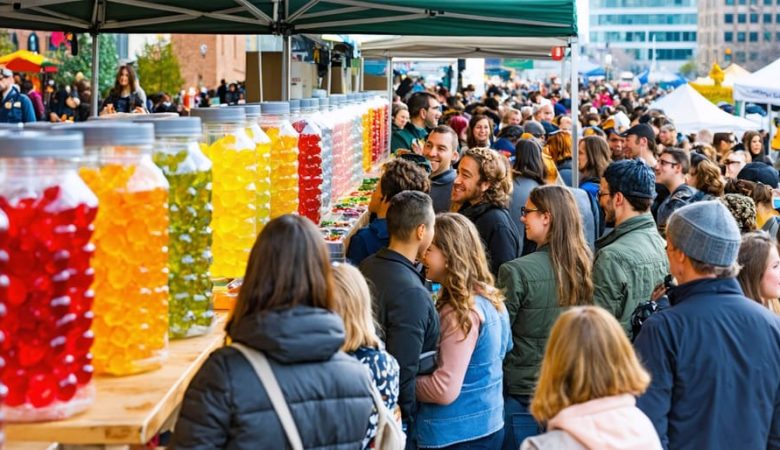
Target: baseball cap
(534, 128)
(759, 172)
(6, 73)
(642, 130)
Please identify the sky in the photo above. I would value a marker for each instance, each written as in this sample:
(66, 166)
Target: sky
(583, 6)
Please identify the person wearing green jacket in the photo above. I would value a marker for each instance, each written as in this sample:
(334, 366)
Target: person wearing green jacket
(630, 261)
(538, 288)
(424, 114)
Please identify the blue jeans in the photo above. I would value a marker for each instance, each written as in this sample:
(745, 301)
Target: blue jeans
(518, 421)
(489, 442)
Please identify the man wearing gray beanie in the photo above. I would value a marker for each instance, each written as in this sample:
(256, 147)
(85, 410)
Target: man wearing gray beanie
(714, 355)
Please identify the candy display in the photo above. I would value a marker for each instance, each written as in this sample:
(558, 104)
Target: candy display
(345, 217)
(234, 168)
(275, 121)
(322, 119)
(342, 151)
(309, 162)
(188, 171)
(366, 114)
(131, 247)
(263, 149)
(46, 222)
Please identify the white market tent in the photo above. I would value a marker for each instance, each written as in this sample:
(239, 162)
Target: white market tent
(731, 74)
(760, 87)
(462, 47)
(691, 112)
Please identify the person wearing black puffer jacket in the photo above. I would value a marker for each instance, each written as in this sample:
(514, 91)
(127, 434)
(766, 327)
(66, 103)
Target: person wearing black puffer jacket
(284, 310)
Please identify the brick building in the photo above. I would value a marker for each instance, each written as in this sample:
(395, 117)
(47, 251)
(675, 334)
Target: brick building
(206, 59)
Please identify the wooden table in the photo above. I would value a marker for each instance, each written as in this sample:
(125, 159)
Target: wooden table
(128, 410)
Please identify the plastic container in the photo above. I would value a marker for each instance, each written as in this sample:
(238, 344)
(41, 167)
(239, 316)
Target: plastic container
(275, 121)
(234, 167)
(188, 171)
(263, 149)
(46, 222)
(322, 118)
(341, 160)
(309, 161)
(131, 240)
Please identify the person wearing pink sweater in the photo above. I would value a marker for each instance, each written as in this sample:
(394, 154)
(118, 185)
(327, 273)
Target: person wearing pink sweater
(589, 378)
(461, 403)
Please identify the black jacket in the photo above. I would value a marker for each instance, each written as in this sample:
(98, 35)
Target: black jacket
(406, 314)
(441, 190)
(328, 392)
(714, 358)
(498, 232)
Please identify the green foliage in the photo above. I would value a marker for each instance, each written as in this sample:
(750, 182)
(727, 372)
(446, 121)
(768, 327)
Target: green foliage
(689, 69)
(70, 65)
(6, 45)
(159, 70)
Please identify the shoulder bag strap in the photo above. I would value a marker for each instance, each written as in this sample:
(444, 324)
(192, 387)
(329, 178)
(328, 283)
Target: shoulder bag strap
(266, 375)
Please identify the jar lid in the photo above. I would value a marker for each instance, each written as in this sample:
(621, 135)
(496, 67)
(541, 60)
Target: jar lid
(174, 127)
(111, 133)
(251, 109)
(37, 144)
(310, 103)
(40, 126)
(10, 126)
(233, 114)
(295, 104)
(275, 107)
(323, 101)
(338, 99)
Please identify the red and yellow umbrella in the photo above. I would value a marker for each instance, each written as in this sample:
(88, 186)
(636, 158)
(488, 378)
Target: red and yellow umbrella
(27, 61)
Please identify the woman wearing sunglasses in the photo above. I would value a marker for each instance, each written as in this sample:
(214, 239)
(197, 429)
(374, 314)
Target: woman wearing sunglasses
(538, 288)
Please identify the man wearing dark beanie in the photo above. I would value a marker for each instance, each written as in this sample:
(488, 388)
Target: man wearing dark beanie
(630, 261)
(714, 356)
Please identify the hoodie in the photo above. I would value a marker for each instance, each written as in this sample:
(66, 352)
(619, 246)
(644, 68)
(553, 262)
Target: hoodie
(441, 190)
(328, 392)
(608, 423)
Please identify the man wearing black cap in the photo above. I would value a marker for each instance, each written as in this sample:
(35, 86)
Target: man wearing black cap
(640, 143)
(767, 218)
(15, 107)
(631, 260)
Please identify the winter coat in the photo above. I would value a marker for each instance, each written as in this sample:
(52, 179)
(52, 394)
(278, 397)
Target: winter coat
(497, 231)
(607, 423)
(521, 191)
(532, 303)
(630, 262)
(406, 315)
(328, 392)
(714, 359)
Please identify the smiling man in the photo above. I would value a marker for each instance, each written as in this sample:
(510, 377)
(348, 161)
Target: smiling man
(441, 149)
(483, 188)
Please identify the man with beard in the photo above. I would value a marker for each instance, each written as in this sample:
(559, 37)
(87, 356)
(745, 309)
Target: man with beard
(424, 114)
(630, 261)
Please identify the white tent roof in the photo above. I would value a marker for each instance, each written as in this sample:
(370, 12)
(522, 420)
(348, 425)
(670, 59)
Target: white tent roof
(462, 47)
(731, 74)
(691, 112)
(760, 86)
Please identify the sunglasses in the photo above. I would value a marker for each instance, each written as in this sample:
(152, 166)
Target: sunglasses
(525, 211)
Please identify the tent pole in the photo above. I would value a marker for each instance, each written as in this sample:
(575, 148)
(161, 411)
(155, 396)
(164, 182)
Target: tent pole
(95, 76)
(575, 107)
(389, 118)
(286, 67)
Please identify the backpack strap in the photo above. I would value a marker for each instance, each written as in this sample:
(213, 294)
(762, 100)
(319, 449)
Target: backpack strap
(264, 372)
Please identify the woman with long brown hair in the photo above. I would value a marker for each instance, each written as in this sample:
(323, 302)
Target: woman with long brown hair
(124, 96)
(587, 387)
(461, 404)
(539, 287)
(284, 310)
(480, 131)
(754, 145)
(760, 273)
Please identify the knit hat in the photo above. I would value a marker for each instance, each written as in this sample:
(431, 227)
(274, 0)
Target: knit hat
(706, 232)
(632, 178)
(759, 172)
(535, 128)
(743, 209)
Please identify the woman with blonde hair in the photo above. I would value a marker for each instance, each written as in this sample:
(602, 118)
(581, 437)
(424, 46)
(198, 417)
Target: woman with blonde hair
(461, 405)
(353, 304)
(760, 273)
(559, 147)
(539, 287)
(587, 387)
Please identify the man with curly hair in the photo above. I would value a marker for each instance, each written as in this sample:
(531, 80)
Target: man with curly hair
(483, 188)
(399, 175)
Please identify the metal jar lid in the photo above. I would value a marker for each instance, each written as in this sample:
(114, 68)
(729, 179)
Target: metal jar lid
(111, 133)
(275, 107)
(174, 127)
(38, 144)
(233, 114)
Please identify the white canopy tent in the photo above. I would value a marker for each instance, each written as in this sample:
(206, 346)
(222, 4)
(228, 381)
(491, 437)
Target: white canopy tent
(691, 112)
(731, 74)
(760, 86)
(462, 47)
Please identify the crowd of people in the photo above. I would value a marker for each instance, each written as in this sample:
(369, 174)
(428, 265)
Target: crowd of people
(495, 305)
(70, 102)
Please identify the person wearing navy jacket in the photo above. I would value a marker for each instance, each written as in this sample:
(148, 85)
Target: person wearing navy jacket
(714, 355)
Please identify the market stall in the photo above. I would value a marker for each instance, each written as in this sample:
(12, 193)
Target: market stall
(691, 113)
(182, 181)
